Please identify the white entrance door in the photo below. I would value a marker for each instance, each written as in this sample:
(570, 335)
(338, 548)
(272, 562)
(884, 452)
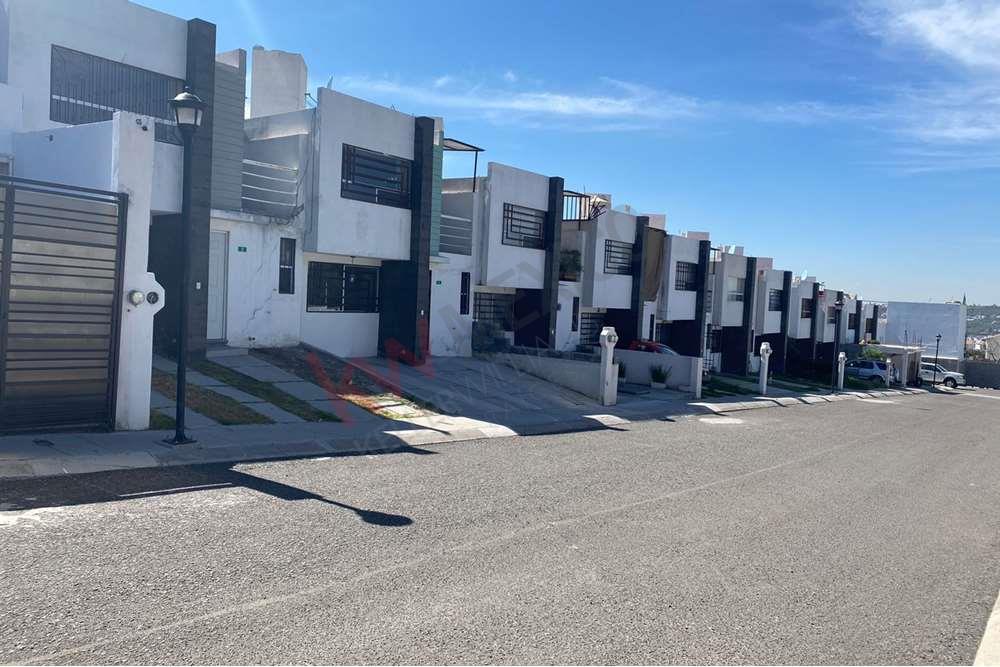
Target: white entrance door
(218, 259)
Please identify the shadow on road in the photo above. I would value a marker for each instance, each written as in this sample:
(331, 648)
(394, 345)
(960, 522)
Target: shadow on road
(125, 485)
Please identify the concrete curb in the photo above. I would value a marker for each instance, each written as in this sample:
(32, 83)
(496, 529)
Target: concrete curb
(92, 459)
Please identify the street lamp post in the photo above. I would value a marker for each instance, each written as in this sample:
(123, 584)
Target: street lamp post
(937, 351)
(188, 111)
(838, 308)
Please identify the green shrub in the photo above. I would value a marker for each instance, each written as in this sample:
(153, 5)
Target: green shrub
(659, 373)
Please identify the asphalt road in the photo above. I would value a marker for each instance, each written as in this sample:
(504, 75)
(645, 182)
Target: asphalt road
(838, 533)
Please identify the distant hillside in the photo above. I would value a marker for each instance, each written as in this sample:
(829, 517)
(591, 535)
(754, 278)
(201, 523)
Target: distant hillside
(983, 320)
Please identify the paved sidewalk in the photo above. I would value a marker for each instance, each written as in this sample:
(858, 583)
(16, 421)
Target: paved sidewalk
(38, 455)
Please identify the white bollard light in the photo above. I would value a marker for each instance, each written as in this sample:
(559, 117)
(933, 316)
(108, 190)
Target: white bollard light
(841, 363)
(888, 373)
(609, 372)
(765, 356)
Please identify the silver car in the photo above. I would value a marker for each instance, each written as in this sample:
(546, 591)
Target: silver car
(871, 370)
(931, 373)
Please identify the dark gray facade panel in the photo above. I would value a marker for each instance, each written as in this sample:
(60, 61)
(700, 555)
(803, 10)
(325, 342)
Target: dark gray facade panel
(227, 137)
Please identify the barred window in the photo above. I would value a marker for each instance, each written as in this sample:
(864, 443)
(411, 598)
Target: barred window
(463, 294)
(286, 267)
(89, 89)
(342, 288)
(714, 342)
(493, 307)
(852, 320)
(831, 315)
(617, 257)
(806, 311)
(575, 321)
(686, 279)
(590, 328)
(736, 288)
(377, 178)
(523, 226)
(774, 298)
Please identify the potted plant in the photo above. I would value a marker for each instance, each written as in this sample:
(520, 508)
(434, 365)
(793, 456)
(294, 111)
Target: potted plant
(658, 377)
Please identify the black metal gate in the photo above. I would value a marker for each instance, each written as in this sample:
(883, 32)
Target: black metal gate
(60, 303)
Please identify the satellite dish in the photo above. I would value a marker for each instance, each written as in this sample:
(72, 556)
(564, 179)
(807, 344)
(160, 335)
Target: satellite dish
(805, 274)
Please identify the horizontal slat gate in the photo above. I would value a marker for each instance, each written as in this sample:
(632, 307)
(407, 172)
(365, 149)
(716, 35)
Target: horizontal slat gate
(59, 305)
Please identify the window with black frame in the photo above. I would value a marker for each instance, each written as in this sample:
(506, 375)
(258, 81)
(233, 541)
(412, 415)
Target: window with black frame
(345, 288)
(377, 178)
(686, 277)
(831, 315)
(88, 89)
(286, 267)
(737, 287)
(774, 298)
(523, 227)
(497, 308)
(464, 291)
(617, 257)
(852, 320)
(806, 311)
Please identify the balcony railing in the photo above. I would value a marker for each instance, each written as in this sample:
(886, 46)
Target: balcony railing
(270, 189)
(579, 207)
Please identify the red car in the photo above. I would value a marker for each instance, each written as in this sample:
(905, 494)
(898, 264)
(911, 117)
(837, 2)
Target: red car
(651, 346)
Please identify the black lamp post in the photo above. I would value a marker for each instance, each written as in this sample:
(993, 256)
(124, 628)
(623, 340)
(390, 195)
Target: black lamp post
(838, 308)
(937, 350)
(188, 111)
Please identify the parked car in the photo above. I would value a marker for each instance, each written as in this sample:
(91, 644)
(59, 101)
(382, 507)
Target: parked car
(872, 370)
(931, 372)
(651, 346)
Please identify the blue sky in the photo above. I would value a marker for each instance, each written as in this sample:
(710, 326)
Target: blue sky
(858, 141)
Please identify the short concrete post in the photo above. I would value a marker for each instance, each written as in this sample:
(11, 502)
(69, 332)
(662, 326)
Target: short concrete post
(841, 363)
(765, 356)
(609, 370)
(888, 372)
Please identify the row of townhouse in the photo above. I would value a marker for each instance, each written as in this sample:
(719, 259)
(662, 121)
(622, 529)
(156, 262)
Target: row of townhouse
(315, 218)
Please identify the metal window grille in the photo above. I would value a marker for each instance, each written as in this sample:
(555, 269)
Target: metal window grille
(774, 299)
(463, 295)
(714, 343)
(736, 289)
(686, 278)
(806, 311)
(456, 235)
(617, 257)
(286, 267)
(89, 89)
(852, 320)
(493, 307)
(590, 328)
(831, 315)
(342, 288)
(575, 321)
(376, 178)
(523, 226)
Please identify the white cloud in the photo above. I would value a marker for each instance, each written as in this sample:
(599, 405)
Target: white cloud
(611, 100)
(443, 81)
(966, 31)
(510, 77)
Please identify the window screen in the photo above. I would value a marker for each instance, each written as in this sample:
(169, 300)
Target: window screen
(377, 178)
(286, 267)
(342, 288)
(806, 312)
(774, 297)
(617, 257)
(523, 226)
(686, 279)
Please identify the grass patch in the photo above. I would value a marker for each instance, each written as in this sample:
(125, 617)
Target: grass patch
(160, 422)
(221, 408)
(264, 391)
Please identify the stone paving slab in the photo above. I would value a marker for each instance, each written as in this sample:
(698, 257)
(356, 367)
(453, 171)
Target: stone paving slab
(241, 361)
(202, 380)
(237, 394)
(275, 413)
(268, 373)
(347, 411)
(307, 391)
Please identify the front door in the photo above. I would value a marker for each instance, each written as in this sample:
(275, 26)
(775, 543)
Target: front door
(218, 260)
